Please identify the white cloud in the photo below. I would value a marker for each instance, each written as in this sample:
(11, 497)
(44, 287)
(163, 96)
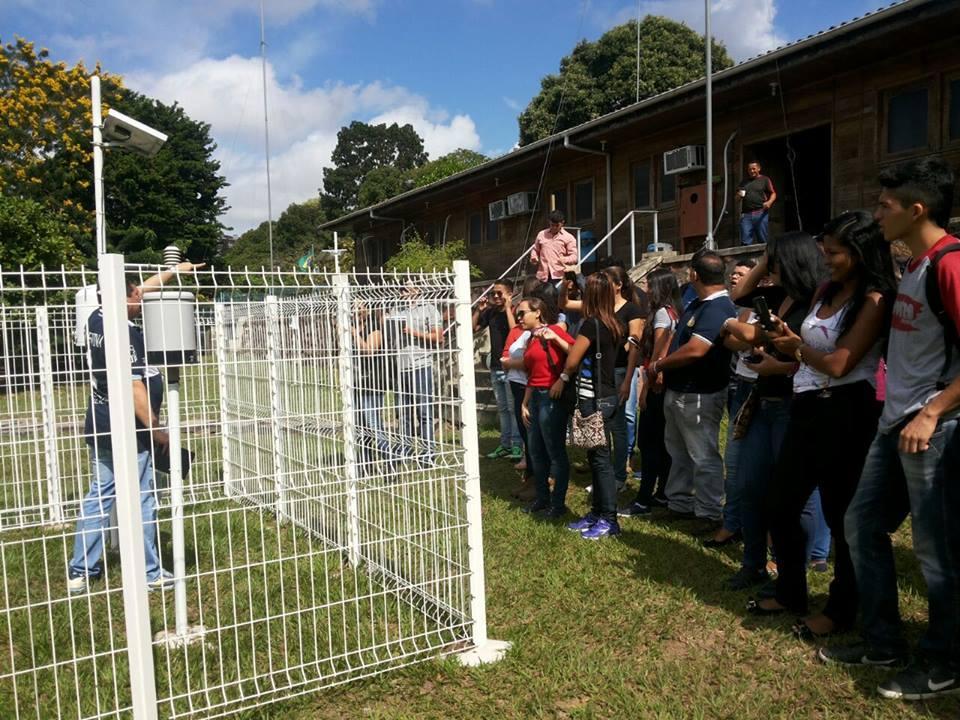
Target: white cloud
(512, 104)
(746, 27)
(304, 123)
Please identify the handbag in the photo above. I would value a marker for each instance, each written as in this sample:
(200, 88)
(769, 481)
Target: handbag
(589, 431)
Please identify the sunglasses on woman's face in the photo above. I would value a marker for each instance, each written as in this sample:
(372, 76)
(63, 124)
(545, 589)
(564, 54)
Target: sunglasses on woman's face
(520, 314)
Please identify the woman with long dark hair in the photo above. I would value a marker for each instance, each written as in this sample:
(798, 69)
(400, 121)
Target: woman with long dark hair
(665, 308)
(795, 265)
(834, 414)
(591, 361)
(544, 416)
(631, 315)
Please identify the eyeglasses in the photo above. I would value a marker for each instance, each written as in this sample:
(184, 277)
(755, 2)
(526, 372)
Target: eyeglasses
(520, 314)
(497, 294)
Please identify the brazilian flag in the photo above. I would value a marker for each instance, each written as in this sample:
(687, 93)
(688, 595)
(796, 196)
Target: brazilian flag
(306, 262)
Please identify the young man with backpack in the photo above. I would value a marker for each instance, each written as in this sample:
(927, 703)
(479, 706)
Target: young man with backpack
(904, 473)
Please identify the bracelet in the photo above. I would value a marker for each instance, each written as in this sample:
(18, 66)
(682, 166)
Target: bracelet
(564, 377)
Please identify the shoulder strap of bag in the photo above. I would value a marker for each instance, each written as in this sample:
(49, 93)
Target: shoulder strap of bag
(935, 300)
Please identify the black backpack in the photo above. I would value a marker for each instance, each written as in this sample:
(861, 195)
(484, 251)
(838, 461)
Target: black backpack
(951, 339)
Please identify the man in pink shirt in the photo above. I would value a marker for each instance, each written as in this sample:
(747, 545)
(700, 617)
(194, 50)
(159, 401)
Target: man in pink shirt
(554, 250)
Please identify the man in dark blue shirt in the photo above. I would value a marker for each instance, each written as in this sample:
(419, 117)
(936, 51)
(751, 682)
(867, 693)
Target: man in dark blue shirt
(147, 397)
(696, 372)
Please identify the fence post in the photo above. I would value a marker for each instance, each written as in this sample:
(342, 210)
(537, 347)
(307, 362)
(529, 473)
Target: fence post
(136, 611)
(48, 407)
(220, 339)
(341, 284)
(484, 649)
(274, 340)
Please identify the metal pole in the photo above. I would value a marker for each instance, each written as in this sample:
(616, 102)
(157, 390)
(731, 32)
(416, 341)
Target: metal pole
(226, 427)
(484, 649)
(633, 239)
(336, 253)
(97, 112)
(48, 405)
(176, 504)
(133, 566)
(266, 131)
(274, 355)
(709, 43)
(341, 285)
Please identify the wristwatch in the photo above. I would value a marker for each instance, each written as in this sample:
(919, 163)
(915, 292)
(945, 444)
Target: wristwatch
(564, 377)
(798, 354)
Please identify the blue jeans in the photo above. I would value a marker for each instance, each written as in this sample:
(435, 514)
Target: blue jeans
(624, 427)
(815, 527)
(732, 516)
(759, 450)
(509, 432)
(95, 516)
(894, 484)
(548, 448)
(754, 225)
(373, 442)
(601, 459)
(415, 400)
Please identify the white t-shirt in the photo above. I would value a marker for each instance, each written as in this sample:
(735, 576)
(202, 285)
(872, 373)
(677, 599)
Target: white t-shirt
(822, 334)
(415, 353)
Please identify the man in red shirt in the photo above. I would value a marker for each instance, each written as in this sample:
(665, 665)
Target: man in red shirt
(554, 250)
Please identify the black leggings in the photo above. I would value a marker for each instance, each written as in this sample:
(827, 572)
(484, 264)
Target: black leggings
(654, 458)
(518, 391)
(825, 446)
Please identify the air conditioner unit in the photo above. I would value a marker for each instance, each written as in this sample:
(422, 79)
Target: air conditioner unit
(684, 159)
(521, 202)
(497, 210)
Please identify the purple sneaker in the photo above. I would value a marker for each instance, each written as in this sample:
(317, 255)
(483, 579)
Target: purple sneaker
(601, 528)
(584, 523)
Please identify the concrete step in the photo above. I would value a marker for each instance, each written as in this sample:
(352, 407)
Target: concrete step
(487, 415)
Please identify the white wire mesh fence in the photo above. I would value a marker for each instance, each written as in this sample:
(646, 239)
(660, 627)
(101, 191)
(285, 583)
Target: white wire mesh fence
(320, 522)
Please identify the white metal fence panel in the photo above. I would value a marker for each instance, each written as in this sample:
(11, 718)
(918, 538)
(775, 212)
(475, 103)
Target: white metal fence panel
(324, 525)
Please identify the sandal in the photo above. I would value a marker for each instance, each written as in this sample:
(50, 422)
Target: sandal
(755, 608)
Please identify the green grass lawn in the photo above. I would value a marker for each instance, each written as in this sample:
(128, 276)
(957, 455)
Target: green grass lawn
(636, 627)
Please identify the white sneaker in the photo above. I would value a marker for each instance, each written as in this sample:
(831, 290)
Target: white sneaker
(164, 582)
(77, 585)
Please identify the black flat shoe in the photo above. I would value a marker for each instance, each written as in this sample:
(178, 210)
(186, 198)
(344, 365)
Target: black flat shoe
(802, 631)
(714, 543)
(754, 608)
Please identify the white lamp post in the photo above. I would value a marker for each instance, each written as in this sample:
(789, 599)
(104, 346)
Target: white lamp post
(119, 131)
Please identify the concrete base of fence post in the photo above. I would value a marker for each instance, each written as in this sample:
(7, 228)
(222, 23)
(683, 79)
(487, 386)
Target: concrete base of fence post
(190, 636)
(489, 652)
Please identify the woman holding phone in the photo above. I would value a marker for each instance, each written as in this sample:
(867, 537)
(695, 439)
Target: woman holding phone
(795, 265)
(835, 412)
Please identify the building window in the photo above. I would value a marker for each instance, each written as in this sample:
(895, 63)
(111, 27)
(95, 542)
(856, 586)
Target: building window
(558, 201)
(476, 228)
(583, 201)
(954, 108)
(642, 197)
(668, 189)
(908, 113)
(493, 231)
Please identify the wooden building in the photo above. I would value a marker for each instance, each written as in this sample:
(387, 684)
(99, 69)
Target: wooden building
(822, 115)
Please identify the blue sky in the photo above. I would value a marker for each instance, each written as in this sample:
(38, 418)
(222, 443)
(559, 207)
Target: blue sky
(458, 70)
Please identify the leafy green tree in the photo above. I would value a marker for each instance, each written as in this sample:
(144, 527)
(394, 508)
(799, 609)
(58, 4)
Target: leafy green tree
(46, 156)
(382, 183)
(295, 234)
(445, 166)
(174, 197)
(361, 148)
(600, 77)
(416, 254)
(33, 236)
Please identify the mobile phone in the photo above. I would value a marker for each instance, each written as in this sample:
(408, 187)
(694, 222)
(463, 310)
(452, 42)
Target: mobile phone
(753, 359)
(763, 313)
(633, 341)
